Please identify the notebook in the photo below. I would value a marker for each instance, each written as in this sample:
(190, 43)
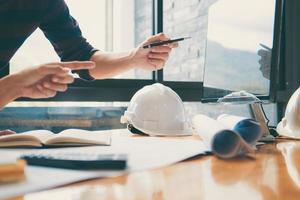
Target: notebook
(45, 138)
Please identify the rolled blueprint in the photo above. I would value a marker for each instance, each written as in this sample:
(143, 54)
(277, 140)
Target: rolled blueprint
(220, 140)
(249, 129)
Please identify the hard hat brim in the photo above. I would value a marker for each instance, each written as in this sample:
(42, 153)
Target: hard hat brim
(286, 132)
(168, 133)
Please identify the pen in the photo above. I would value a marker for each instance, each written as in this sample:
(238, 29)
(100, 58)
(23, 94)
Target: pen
(160, 43)
(266, 47)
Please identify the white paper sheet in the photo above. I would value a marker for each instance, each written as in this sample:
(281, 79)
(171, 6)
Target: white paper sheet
(143, 153)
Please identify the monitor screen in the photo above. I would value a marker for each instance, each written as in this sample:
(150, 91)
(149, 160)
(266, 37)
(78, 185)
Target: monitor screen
(242, 36)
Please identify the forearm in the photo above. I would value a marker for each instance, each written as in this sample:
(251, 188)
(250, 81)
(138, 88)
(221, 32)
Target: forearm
(111, 64)
(8, 92)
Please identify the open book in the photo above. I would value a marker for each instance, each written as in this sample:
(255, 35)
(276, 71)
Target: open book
(69, 137)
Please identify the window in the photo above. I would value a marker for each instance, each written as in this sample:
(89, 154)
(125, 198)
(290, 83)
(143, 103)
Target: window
(199, 59)
(111, 25)
(240, 48)
(117, 25)
(181, 19)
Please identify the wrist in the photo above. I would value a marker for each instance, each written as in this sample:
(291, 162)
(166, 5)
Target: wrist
(10, 88)
(132, 59)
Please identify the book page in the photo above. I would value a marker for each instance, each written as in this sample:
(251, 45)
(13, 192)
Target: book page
(80, 137)
(42, 135)
(29, 138)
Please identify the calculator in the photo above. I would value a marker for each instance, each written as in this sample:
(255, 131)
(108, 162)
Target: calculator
(78, 161)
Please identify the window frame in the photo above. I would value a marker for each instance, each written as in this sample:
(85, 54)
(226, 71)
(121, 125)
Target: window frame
(288, 76)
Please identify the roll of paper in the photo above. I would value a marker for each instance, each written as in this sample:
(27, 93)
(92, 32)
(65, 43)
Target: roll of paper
(220, 140)
(249, 129)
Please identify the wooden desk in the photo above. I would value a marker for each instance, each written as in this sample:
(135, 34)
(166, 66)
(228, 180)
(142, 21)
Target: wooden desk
(272, 173)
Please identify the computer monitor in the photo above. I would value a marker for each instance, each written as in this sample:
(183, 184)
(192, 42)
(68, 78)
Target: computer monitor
(243, 48)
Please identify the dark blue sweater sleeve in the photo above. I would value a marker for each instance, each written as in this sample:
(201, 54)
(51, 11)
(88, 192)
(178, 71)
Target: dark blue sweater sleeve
(64, 33)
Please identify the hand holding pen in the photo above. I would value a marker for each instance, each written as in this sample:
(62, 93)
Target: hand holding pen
(153, 53)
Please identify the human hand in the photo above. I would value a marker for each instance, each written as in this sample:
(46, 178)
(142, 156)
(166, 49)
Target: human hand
(153, 58)
(265, 62)
(46, 80)
(6, 132)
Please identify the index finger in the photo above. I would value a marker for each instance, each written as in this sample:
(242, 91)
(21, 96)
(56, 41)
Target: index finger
(76, 65)
(6, 132)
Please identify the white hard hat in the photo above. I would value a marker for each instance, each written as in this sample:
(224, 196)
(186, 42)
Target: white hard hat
(157, 110)
(290, 124)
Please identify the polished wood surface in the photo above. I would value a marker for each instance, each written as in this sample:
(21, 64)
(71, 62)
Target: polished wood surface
(273, 172)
